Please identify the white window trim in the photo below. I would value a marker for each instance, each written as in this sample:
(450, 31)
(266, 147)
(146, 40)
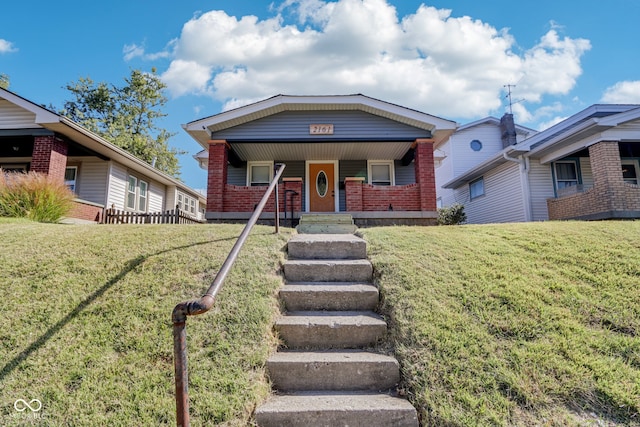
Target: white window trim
(260, 163)
(137, 195)
(390, 163)
(188, 204)
(634, 163)
(481, 179)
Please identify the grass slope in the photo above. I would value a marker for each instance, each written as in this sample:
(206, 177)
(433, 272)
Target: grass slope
(86, 325)
(515, 324)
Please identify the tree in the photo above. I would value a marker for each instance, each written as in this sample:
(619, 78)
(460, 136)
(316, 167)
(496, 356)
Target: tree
(4, 81)
(126, 116)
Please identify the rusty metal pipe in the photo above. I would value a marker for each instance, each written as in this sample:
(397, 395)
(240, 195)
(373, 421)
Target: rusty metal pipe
(204, 304)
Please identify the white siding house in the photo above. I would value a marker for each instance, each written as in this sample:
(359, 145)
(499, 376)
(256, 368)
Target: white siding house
(585, 167)
(100, 174)
(472, 146)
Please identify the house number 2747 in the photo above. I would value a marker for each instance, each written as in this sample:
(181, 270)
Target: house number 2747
(321, 129)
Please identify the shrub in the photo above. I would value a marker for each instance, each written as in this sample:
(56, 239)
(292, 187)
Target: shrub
(33, 196)
(452, 215)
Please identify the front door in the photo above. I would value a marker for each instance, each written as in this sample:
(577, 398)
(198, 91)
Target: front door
(322, 197)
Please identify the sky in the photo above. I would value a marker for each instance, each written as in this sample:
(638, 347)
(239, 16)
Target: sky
(454, 59)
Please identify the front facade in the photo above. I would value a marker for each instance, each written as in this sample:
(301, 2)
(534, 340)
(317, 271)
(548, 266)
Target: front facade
(100, 174)
(585, 167)
(349, 153)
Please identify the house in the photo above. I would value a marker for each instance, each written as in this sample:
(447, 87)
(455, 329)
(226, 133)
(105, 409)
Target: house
(345, 153)
(585, 167)
(471, 145)
(101, 175)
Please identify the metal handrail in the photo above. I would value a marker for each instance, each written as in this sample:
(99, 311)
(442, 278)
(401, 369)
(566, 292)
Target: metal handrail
(204, 304)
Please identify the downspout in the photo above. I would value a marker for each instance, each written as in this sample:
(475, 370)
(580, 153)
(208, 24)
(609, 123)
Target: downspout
(524, 165)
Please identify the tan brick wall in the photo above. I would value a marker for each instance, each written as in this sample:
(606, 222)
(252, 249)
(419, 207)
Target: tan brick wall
(610, 196)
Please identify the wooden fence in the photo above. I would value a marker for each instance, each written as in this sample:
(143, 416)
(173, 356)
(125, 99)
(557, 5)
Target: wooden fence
(173, 216)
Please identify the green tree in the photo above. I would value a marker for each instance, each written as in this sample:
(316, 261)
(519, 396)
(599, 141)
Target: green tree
(126, 116)
(4, 81)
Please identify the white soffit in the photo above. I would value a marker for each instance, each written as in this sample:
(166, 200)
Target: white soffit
(321, 150)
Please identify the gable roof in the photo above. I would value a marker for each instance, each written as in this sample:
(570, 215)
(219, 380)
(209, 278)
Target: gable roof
(47, 119)
(202, 129)
(522, 130)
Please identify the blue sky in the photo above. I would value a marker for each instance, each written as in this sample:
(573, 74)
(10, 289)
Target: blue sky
(447, 58)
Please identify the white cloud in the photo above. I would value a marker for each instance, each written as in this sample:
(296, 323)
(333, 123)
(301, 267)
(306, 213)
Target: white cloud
(132, 51)
(627, 92)
(7, 47)
(449, 66)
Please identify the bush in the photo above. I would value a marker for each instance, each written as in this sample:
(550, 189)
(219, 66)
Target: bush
(33, 196)
(452, 215)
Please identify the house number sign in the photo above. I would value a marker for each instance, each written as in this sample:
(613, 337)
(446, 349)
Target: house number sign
(320, 129)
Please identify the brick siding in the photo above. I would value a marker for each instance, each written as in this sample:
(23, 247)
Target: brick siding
(245, 199)
(86, 211)
(50, 157)
(610, 196)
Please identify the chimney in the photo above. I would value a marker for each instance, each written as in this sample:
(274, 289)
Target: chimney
(508, 130)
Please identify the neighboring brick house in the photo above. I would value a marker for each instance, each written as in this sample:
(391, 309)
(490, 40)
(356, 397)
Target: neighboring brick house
(101, 175)
(585, 167)
(348, 153)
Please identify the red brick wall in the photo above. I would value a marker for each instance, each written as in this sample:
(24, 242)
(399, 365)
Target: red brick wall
(50, 157)
(425, 174)
(400, 198)
(245, 199)
(86, 211)
(353, 194)
(610, 195)
(217, 177)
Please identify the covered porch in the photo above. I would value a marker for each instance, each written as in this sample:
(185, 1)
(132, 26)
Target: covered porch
(603, 184)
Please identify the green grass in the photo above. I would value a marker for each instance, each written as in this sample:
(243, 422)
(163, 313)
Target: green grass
(86, 324)
(516, 324)
(500, 325)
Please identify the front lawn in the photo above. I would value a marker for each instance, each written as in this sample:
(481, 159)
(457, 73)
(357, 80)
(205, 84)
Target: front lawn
(86, 325)
(515, 324)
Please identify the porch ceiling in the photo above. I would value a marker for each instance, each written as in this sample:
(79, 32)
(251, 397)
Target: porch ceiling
(291, 151)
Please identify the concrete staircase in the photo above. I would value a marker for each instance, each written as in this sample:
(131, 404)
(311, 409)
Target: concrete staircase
(327, 374)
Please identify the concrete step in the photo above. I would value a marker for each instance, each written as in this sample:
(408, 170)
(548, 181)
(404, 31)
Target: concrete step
(336, 296)
(323, 218)
(326, 224)
(331, 409)
(330, 329)
(326, 228)
(326, 246)
(333, 370)
(357, 270)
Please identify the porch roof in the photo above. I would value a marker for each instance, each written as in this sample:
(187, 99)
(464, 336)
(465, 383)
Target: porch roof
(201, 130)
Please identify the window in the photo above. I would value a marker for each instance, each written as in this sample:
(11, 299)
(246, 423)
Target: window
(630, 171)
(137, 194)
(381, 172)
(566, 174)
(12, 167)
(476, 145)
(187, 203)
(476, 188)
(70, 175)
(259, 173)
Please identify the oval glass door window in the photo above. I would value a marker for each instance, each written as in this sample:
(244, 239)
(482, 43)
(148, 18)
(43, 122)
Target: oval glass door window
(321, 184)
